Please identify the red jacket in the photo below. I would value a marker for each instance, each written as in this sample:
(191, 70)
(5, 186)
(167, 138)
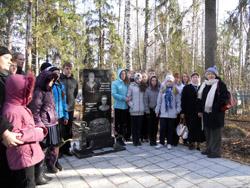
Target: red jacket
(18, 92)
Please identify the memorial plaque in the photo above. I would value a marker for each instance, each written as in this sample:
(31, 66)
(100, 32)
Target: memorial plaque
(97, 107)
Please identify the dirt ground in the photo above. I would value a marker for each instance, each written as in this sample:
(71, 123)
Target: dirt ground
(236, 141)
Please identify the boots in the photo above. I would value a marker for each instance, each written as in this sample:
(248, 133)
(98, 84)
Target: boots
(119, 140)
(40, 177)
(58, 166)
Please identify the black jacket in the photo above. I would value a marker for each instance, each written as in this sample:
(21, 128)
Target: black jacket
(215, 119)
(71, 88)
(4, 124)
(189, 100)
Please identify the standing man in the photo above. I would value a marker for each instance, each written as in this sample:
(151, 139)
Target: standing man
(71, 88)
(19, 59)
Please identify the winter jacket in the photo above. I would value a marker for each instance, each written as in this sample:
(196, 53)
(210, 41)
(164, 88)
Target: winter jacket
(215, 119)
(150, 97)
(4, 124)
(18, 88)
(171, 112)
(71, 88)
(42, 104)
(179, 87)
(136, 103)
(60, 100)
(189, 100)
(119, 92)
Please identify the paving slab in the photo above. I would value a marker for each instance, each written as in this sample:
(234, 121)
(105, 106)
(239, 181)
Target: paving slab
(146, 166)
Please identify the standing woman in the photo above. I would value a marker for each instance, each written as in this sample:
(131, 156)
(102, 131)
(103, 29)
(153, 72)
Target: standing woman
(168, 106)
(190, 114)
(119, 93)
(144, 128)
(44, 112)
(185, 79)
(150, 98)
(212, 95)
(136, 103)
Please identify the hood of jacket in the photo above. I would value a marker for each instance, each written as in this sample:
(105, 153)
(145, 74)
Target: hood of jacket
(19, 89)
(43, 79)
(119, 74)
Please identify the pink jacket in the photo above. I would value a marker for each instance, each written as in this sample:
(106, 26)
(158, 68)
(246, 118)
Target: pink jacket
(18, 91)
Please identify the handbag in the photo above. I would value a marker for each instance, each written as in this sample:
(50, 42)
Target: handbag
(182, 130)
(230, 103)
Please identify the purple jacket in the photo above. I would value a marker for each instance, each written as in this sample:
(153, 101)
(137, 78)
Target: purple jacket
(42, 105)
(18, 93)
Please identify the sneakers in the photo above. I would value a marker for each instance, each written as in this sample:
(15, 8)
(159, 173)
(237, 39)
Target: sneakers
(169, 146)
(159, 146)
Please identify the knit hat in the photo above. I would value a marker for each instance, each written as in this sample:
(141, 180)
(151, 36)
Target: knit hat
(137, 76)
(169, 77)
(52, 68)
(4, 51)
(213, 70)
(44, 66)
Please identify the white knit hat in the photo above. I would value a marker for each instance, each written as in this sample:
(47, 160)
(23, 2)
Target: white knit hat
(169, 77)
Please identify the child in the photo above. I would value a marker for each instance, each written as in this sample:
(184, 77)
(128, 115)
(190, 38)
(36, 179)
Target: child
(168, 106)
(22, 158)
(44, 111)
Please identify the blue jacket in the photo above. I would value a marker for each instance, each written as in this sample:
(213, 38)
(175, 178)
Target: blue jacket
(60, 100)
(119, 92)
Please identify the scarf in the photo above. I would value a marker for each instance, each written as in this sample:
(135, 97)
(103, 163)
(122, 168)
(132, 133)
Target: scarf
(210, 96)
(168, 98)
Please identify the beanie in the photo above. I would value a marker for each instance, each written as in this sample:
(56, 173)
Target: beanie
(169, 77)
(213, 70)
(44, 66)
(4, 50)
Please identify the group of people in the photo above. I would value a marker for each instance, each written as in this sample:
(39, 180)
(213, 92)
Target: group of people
(141, 102)
(36, 117)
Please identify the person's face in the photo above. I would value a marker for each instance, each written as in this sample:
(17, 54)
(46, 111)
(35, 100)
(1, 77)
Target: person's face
(123, 75)
(104, 100)
(5, 61)
(153, 82)
(138, 80)
(195, 79)
(58, 73)
(185, 78)
(144, 77)
(210, 76)
(91, 77)
(67, 71)
(20, 60)
(51, 83)
(13, 68)
(177, 79)
(169, 83)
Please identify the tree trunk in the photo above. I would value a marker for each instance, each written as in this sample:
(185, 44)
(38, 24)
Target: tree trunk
(247, 56)
(137, 34)
(29, 36)
(119, 16)
(240, 51)
(9, 29)
(36, 39)
(145, 50)
(128, 48)
(210, 33)
(101, 39)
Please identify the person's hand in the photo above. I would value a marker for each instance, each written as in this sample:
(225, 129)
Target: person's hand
(127, 99)
(65, 122)
(11, 139)
(200, 114)
(182, 116)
